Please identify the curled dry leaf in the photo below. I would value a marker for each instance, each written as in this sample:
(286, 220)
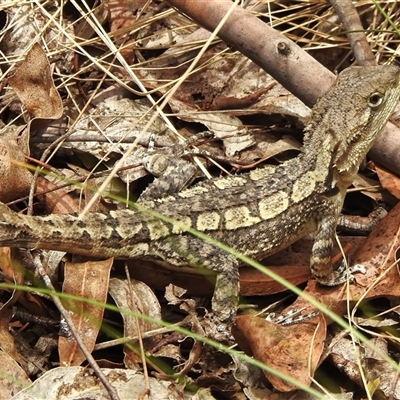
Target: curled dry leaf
(158, 278)
(88, 280)
(369, 187)
(138, 298)
(250, 378)
(83, 29)
(34, 85)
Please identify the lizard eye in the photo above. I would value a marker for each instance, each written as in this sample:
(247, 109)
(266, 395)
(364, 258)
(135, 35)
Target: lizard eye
(375, 100)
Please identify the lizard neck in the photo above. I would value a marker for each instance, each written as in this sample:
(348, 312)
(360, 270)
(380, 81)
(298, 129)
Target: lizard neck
(317, 157)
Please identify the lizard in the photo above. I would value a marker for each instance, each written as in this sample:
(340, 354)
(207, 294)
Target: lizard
(257, 212)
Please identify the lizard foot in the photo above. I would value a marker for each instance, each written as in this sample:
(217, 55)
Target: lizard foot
(342, 274)
(290, 317)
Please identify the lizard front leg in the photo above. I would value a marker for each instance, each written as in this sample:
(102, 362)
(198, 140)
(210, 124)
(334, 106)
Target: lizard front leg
(321, 265)
(172, 171)
(173, 175)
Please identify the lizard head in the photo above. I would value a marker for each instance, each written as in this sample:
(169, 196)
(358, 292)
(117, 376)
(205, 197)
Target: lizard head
(347, 120)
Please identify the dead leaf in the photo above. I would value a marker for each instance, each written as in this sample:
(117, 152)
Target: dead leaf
(69, 383)
(15, 178)
(13, 377)
(7, 342)
(89, 280)
(54, 199)
(14, 271)
(139, 298)
(369, 187)
(122, 17)
(34, 85)
(294, 350)
(105, 135)
(389, 181)
(347, 356)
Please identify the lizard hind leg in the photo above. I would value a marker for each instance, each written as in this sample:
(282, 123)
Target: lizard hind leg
(188, 250)
(226, 293)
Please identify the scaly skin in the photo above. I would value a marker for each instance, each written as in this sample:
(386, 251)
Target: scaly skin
(256, 213)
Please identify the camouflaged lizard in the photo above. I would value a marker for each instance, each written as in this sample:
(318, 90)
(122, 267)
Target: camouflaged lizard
(256, 213)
